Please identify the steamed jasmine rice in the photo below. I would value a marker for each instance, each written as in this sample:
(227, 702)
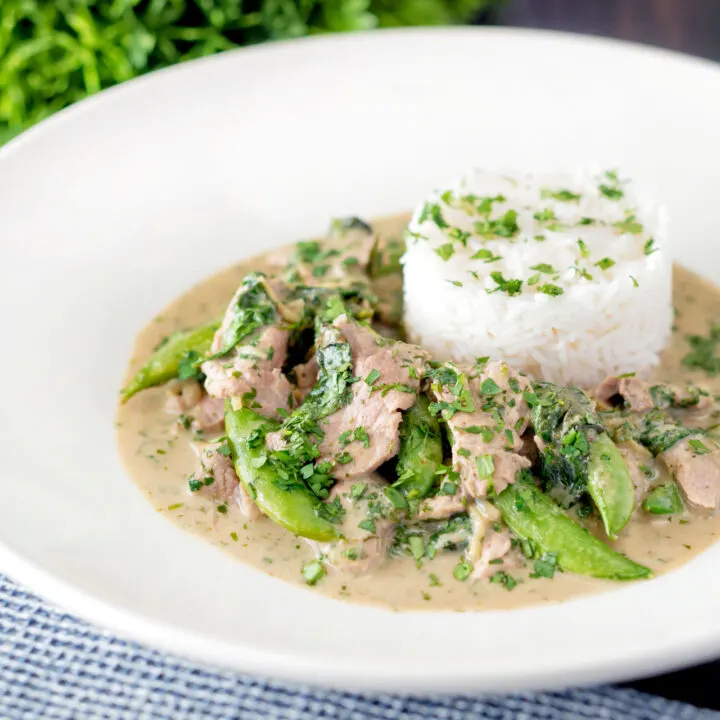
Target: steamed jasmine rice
(559, 275)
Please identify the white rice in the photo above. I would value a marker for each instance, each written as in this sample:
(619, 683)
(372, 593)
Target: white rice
(574, 323)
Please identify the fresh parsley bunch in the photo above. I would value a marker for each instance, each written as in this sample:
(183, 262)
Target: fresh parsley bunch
(53, 53)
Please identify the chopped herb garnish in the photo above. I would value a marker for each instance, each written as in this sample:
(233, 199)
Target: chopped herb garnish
(611, 193)
(485, 466)
(368, 525)
(560, 195)
(546, 215)
(462, 571)
(222, 508)
(486, 255)
(344, 458)
(584, 250)
(544, 268)
(490, 387)
(361, 435)
(357, 491)
(511, 286)
(175, 506)
(313, 572)
(703, 351)
(434, 580)
(698, 446)
(432, 212)
(649, 247)
(397, 499)
(372, 376)
(605, 264)
(224, 449)
(550, 289)
(629, 225)
(234, 536)
(545, 566)
(634, 281)
(533, 279)
(445, 251)
(502, 578)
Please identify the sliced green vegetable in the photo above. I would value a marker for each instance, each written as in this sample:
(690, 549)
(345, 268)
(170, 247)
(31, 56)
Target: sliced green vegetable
(610, 485)
(421, 452)
(289, 504)
(533, 516)
(663, 500)
(165, 363)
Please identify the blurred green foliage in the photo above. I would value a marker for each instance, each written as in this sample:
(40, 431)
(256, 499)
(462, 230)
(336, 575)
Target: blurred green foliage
(55, 52)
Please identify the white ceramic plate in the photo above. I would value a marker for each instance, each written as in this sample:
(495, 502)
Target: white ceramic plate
(112, 208)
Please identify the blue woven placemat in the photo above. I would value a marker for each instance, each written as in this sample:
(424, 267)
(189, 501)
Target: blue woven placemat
(56, 667)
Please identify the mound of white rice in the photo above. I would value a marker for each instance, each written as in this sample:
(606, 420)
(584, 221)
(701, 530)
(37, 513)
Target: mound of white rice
(560, 275)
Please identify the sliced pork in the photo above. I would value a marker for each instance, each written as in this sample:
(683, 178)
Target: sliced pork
(203, 412)
(365, 433)
(695, 463)
(487, 415)
(253, 372)
(219, 480)
(642, 396)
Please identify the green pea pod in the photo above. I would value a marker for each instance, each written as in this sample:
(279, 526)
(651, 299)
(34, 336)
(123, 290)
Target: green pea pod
(164, 363)
(663, 500)
(532, 515)
(610, 484)
(421, 451)
(294, 507)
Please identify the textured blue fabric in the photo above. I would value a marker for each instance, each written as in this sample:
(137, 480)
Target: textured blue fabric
(56, 667)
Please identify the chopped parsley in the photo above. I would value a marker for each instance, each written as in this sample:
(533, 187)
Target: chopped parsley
(432, 211)
(490, 387)
(188, 366)
(445, 251)
(605, 263)
(504, 227)
(485, 466)
(629, 225)
(584, 250)
(462, 571)
(550, 289)
(649, 247)
(372, 376)
(222, 508)
(397, 499)
(511, 286)
(361, 435)
(368, 525)
(546, 215)
(544, 268)
(545, 566)
(486, 256)
(610, 192)
(703, 353)
(313, 572)
(502, 578)
(560, 195)
(698, 446)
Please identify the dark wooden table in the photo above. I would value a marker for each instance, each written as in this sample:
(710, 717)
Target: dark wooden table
(690, 26)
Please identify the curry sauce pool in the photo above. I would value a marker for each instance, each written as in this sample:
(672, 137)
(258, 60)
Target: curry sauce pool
(158, 453)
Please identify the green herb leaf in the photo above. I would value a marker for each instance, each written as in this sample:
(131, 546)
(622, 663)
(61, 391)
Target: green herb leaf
(445, 251)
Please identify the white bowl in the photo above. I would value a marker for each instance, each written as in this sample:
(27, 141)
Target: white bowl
(114, 207)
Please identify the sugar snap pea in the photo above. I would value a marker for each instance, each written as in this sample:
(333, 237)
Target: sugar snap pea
(532, 515)
(164, 363)
(289, 504)
(609, 484)
(421, 451)
(663, 500)
(579, 455)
